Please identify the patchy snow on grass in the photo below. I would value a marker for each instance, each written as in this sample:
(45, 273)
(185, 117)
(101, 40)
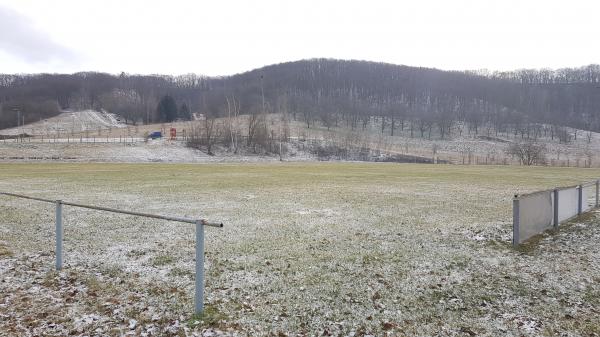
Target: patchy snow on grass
(158, 151)
(341, 249)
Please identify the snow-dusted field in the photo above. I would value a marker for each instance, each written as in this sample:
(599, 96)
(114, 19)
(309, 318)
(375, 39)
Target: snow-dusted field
(152, 151)
(104, 129)
(457, 148)
(68, 123)
(115, 152)
(339, 249)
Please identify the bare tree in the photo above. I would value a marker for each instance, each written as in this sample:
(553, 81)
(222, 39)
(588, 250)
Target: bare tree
(233, 111)
(528, 152)
(204, 134)
(211, 133)
(563, 135)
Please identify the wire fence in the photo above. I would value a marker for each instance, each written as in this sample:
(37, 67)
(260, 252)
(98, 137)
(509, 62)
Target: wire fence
(418, 153)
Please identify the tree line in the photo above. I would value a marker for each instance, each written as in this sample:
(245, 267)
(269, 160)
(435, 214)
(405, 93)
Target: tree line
(331, 93)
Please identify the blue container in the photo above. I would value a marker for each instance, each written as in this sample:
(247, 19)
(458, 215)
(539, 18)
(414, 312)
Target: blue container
(155, 135)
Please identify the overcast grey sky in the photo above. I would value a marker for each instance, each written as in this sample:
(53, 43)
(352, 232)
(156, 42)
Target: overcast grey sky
(228, 36)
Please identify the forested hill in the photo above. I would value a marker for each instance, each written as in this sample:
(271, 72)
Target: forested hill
(327, 91)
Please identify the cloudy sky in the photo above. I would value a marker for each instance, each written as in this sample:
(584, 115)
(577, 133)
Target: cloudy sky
(227, 36)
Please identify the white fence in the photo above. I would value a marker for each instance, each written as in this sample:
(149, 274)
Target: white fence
(537, 212)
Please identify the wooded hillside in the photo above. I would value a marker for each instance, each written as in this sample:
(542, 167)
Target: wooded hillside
(331, 92)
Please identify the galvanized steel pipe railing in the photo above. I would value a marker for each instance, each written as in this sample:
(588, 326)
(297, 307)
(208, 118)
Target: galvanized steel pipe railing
(200, 224)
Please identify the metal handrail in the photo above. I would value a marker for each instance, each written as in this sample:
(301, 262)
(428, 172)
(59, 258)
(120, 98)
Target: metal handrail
(200, 223)
(114, 210)
(27, 197)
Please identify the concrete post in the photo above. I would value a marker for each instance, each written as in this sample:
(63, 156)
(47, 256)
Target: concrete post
(59, 235)
(516, 221)
(579, 199)
(556, 208)
(199, 291)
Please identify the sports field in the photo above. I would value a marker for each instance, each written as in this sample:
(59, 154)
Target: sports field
(307, 249)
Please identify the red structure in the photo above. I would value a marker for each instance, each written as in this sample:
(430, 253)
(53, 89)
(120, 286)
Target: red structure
(173, 133)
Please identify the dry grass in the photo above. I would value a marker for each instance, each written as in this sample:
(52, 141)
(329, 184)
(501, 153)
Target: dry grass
(320, 248)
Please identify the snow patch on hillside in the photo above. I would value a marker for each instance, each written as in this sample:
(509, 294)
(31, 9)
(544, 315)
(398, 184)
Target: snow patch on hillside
(69, 122)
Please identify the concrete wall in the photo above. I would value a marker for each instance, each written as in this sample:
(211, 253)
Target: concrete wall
(568, 203)
(536, 214)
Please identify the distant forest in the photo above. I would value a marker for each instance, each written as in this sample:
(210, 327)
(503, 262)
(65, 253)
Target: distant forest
(328, 92)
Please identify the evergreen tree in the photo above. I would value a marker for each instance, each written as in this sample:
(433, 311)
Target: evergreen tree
(167, 109)
(184, 112)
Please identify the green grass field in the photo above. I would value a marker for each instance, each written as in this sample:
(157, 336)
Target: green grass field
(307, 248)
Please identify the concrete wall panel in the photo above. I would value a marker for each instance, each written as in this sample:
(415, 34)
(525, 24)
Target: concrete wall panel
(536, 214)
(568, 202)
(589, 197)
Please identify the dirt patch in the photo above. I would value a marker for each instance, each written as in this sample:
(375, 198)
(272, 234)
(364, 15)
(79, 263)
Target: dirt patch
(4, 251)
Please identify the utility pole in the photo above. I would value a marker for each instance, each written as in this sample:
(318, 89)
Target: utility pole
(18, 116)
(18, 111)
(262, 90)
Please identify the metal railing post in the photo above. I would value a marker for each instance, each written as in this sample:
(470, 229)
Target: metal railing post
(59, 235)
(516, 220)
(199, 291)
(597, 192)
(580, 199)
(556, 208)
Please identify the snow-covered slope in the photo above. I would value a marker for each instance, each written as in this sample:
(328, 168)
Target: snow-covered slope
(68, 122)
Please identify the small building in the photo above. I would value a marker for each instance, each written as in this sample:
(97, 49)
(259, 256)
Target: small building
(196, 116)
